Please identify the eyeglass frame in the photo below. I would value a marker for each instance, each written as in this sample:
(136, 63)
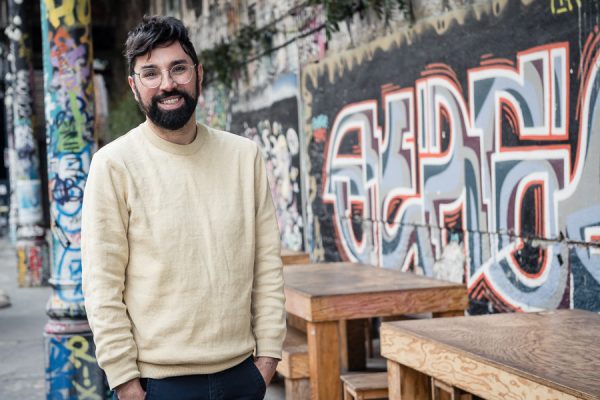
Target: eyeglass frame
(192, 66)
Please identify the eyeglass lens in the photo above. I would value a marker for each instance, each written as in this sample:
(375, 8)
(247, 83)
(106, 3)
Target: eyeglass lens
(180, 73)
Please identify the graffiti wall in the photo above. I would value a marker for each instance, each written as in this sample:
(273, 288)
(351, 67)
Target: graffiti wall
(214, 107)
(274, 127)
(71, 368)
(69, 127)
(466, 148)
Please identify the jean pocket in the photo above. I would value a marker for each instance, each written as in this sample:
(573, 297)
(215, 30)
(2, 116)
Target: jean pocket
(148, 389)
(259, 378)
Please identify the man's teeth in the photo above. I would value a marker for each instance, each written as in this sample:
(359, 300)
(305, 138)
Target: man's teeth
(170, 101)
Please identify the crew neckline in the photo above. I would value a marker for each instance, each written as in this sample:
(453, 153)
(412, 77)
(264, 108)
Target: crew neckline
(174, 148)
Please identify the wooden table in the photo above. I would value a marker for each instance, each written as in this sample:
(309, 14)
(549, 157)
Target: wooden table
(326, 294)
(547, 355)
(294, 257)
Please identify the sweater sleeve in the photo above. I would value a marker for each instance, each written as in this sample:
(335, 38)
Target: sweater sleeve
(105, 254)
(268, 312)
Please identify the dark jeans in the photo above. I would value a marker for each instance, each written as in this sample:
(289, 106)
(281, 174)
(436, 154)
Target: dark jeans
(242, 382)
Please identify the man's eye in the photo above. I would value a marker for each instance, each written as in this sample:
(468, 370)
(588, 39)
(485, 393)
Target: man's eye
(149, 74)
(179, 69)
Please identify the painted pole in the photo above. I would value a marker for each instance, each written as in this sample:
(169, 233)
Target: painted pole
(13, 213)
(71, 368)
(4, 188)
(32, 249)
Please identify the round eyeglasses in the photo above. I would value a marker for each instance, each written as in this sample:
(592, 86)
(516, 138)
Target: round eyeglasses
(152, 77)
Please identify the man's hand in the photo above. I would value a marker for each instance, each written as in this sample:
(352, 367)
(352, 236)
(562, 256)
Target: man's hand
(130, 390)
(267, 367)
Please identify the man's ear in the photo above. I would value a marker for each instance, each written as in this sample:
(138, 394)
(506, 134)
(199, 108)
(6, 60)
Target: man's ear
(131, 81)
(200, 72)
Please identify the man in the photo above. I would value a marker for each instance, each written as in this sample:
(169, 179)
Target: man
(182, 276)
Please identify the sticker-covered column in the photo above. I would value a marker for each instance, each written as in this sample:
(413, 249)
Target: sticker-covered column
(71, 368)
(32, 248)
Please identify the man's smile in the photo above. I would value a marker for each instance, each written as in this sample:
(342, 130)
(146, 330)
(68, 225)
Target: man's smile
(171, 102)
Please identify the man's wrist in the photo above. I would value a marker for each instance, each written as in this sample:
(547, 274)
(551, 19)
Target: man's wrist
(129, 383)
(267, 367)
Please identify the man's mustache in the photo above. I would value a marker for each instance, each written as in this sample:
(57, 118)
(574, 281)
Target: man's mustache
(173, 92)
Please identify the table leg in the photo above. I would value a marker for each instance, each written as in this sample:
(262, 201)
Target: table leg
(324, 360)
(352, 345)
(405, 383)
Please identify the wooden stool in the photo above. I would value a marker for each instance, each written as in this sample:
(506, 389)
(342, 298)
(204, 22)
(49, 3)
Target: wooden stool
(442, 391)
(372, 385)
(294, 365)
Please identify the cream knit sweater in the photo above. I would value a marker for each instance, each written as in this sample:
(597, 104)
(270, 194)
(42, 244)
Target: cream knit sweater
(181, 256)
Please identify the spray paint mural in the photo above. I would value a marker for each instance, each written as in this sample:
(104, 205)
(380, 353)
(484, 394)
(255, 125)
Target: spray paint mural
(10, 153)
(69, 126)
(32, 248)
(71, 366)
(214, 108)
(465, 149)
(19, 106)
(275, 129)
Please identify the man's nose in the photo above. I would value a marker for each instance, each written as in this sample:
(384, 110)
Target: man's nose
(167, 83)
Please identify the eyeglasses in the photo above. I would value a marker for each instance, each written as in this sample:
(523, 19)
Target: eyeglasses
(152, 77)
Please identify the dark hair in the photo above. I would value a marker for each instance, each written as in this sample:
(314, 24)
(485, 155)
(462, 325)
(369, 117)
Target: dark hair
(156, 31)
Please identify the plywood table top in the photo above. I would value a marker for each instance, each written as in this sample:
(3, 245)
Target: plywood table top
(334, 291)
(553, 354)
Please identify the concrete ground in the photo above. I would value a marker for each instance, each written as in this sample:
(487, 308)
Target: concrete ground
(21, 336)
(21, 333)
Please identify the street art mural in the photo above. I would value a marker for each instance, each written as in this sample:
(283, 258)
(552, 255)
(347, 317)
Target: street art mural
(214, 107)
(20, 103)
(32, 262)
(465, 148)
(71, 368)
(312, 40)
(274, 128)
(69, 125)
(10, 152)
(32, 249)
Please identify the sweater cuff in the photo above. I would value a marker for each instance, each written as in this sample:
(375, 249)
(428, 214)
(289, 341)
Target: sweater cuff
(268, 348)
(118, 374)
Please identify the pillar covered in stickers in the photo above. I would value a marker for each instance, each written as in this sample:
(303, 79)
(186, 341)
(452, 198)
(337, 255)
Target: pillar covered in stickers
(32, 249)
(69, 105)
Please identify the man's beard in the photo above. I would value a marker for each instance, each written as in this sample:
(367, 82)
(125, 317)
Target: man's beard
(171, 119)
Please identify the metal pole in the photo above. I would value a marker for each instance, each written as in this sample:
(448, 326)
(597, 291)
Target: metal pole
(32, 249)
(71, 369)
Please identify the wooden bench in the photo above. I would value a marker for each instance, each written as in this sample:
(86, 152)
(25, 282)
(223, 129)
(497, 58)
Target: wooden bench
(294, 365)
(372, 385)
